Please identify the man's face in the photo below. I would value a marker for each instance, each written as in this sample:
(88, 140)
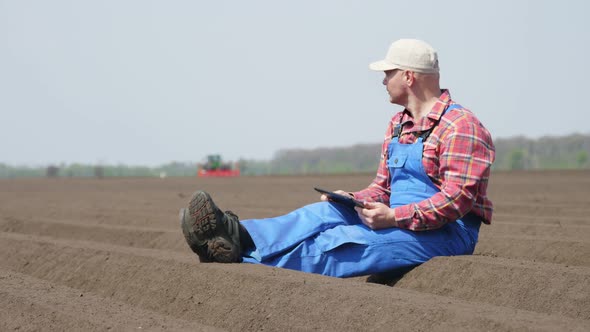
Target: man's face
(395, 86)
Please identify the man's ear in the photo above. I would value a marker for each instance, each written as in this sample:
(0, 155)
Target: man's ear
(409, 77)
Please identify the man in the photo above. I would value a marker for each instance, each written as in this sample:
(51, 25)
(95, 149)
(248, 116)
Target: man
(428, 198)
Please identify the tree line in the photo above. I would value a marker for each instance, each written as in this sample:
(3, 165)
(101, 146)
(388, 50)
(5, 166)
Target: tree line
(516, 153)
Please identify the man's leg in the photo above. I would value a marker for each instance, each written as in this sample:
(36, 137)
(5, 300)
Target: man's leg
(217, 236)
(353, 250)
(273, 236)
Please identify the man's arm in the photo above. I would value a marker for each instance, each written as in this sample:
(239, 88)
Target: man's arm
(465, 157)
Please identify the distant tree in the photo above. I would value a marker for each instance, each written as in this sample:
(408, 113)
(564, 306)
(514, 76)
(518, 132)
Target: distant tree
(517, 160)
(52, 171)
(582, 158)
(99, 172)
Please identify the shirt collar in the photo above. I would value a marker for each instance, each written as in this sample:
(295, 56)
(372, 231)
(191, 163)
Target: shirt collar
(439, 107)
(433, 116)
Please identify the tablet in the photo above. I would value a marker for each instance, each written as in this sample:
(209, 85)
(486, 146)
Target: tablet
(341, 199)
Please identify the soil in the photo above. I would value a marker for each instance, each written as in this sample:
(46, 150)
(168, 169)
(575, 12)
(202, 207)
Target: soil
(108, 254)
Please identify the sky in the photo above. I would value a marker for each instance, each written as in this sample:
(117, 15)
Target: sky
(150, 82)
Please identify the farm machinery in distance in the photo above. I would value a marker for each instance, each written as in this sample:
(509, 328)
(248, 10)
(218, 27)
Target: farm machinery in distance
(215, 167)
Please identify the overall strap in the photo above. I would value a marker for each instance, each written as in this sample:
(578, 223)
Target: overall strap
(397, 130)
(426, 133)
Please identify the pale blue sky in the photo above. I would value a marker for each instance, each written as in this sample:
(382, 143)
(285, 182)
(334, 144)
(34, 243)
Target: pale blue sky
(149, 82)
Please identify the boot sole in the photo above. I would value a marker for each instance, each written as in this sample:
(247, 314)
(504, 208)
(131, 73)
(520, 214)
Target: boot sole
(205, 217)
(191, 238)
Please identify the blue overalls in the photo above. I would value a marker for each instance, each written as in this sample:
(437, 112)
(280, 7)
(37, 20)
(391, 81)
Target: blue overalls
(330, 239)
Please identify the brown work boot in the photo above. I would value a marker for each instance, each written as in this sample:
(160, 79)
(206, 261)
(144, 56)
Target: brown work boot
(211, 233)
(197, 246)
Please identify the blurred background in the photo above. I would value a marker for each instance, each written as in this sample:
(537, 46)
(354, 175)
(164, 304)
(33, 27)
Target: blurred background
(155, 88)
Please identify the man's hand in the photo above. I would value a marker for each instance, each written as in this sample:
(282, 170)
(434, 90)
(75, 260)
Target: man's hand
(324, 198)
(376, 215)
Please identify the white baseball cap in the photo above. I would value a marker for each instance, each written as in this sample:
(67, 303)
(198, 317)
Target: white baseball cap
(409, 54)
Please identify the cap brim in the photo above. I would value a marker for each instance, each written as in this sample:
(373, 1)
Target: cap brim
(382, 65)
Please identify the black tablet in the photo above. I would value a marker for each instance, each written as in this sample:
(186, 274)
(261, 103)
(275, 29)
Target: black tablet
(342, 199)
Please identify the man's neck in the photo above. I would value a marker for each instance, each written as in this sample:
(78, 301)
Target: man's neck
(420, 106)
(420, 109)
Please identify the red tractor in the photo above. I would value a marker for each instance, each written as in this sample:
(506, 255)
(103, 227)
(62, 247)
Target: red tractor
(215, 167)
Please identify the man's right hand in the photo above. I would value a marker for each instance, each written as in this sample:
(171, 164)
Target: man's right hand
(376, 215)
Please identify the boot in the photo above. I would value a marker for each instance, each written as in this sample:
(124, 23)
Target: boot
(212, 234)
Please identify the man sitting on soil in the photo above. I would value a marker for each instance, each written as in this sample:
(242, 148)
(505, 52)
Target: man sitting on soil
(428, 198)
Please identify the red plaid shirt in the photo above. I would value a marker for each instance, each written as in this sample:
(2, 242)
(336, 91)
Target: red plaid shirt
(457, 157)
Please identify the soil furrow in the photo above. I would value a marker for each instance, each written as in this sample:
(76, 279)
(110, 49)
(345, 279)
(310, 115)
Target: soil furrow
(118, 242)
(189, 291)
(539, 209)
(559, 251)
(563, 220)
(140, 237)
(505, 282)
(24, 299)
(501, 228)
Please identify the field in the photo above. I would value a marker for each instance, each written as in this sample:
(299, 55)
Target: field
(95, 255)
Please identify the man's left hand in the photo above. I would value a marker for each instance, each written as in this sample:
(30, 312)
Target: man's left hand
(376, 215)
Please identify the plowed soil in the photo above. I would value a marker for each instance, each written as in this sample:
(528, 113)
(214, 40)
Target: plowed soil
(108, 254)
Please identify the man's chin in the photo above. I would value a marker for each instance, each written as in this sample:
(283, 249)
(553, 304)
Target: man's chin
(391, 101)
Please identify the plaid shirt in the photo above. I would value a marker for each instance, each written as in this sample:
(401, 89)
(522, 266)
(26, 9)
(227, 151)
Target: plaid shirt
(457, 157)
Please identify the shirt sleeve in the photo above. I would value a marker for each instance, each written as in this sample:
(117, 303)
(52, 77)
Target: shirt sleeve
(465, 156)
